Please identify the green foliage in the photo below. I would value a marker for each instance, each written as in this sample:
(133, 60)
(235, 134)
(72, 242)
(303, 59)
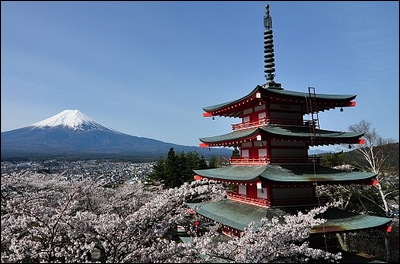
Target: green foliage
(353, 157)
(390, 165)
(172, 170)
(177, 168)
(332, 160)
(213, 162)
(158, 171)
(203, 163)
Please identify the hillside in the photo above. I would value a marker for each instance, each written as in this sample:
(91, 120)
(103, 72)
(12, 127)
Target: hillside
(392, 161)
(354, 157)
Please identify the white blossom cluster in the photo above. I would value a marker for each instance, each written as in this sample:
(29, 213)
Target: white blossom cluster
(46, 219)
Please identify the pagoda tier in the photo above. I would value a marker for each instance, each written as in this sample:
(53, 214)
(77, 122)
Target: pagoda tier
(235, 217)
(278, 144)
(273, 129)
(283, 133)
(276, 101)
(278, 185)
(285, 174)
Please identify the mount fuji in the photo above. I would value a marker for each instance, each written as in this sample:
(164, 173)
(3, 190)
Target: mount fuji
(73, 135)
(72, 119)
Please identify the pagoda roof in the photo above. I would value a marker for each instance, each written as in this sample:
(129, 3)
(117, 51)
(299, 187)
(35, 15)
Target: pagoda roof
(319, 137)
(322, 102)
(285, 174)
(239, 215)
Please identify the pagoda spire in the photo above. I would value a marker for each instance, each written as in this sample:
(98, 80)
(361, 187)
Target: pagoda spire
(269, 66)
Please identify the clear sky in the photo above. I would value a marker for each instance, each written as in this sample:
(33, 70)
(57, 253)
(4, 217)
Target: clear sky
(148, 68)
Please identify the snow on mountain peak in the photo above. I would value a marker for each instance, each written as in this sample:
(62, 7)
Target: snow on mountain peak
(72, 119)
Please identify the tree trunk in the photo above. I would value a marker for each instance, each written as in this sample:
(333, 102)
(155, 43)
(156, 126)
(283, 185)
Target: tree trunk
(342, 241)
(387, 246)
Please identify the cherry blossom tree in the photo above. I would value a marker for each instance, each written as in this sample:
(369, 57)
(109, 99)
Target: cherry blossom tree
(49, 219)
(375, 152)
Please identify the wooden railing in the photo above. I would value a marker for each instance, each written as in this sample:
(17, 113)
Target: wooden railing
(248, 200)
(277, 202)
(265, 121)
(265, 160)
(249, 161)
(257, 123)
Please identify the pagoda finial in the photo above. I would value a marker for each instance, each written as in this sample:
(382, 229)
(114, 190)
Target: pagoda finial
(269, 66)
(267, 18)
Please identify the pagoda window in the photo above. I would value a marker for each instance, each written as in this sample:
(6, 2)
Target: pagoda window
(247, 144)
(242, 189)
(262, 153)
(246, 119)
(245, 153)
(247, 111)
(262, 193)
(260, 143)
(260, 108)
(262, 115)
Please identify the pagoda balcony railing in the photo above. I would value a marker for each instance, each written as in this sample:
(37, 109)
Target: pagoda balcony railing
(265, 160)
(248, 200)
(265, 121)
(277, 202)
(249, 161)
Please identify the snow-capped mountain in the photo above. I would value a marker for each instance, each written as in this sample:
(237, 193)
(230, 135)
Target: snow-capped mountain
(72, 134)
(73, 119)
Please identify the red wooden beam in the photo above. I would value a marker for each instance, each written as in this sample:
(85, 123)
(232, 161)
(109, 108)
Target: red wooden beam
(197, 177)
(352, 104)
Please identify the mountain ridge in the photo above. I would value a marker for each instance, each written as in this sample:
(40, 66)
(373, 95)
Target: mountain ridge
(73, 134)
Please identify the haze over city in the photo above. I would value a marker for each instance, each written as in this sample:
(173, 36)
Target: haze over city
(148, 68)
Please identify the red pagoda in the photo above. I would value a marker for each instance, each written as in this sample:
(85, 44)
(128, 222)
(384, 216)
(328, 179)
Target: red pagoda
(273, 174)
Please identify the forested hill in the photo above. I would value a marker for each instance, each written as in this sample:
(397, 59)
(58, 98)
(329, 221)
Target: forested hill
(355, 157)
(392, 160)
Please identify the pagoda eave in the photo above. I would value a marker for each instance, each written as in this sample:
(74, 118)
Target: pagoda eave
(286, 174)
(283, 133)
(239, 215)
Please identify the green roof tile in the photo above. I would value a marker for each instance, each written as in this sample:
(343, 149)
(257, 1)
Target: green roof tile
(281, 132)
(284, 174)
(284, 94)
(238, 216)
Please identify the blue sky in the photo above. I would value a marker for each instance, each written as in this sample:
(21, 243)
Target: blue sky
(148, 68)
